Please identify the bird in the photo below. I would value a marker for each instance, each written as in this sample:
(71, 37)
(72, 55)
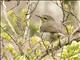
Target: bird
(50, 25)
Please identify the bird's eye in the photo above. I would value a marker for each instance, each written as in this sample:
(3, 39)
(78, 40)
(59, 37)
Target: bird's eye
(45, 18)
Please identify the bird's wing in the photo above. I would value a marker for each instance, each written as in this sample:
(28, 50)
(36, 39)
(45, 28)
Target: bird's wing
(52, 26)
(48, 27)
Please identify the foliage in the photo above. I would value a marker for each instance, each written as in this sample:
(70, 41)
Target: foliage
(35, 40)
(34, 28)
(22, 49)
(71, 52)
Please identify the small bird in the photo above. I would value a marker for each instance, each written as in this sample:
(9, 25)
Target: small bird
(50, 25)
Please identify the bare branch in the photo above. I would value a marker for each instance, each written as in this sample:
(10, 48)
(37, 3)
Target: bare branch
(29, 12)
(6, 18)
(18, 2)
(69, 12)
(33, 8)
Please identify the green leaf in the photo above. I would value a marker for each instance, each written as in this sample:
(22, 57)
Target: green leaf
(35, 40)
(20, 57)
(71, 51)
(9, 47)
(38, 52)
(34, 28)
(6, 36)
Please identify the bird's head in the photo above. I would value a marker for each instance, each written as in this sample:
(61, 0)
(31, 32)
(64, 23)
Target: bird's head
(45, 18)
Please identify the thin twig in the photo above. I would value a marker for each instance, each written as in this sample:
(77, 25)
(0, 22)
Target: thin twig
(29, 12)
(20, 49)
(6, 18)
(18, 2)
(33, 8)
(55, 48)
(62, 5)
(12, 39)
(69, 12)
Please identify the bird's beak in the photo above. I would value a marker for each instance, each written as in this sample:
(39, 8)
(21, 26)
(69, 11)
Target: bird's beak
(38, 16)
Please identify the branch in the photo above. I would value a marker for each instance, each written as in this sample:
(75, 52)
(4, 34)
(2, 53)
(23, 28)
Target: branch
(6, 18)
(26, 32)
(69, 12)
(18, 2)
(13, 40)
(29, 12)
(20, 49)
(57, 47)
(1, 45)
(33, 8)
(45, 53)
(62, 5)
